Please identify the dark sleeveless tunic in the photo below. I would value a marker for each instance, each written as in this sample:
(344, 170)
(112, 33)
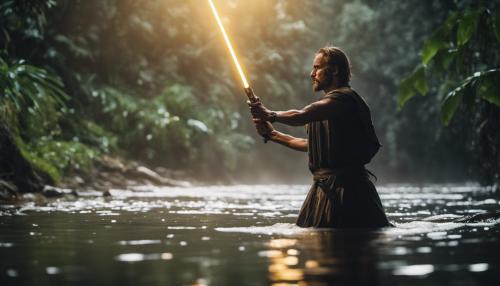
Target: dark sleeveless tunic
(342, 194)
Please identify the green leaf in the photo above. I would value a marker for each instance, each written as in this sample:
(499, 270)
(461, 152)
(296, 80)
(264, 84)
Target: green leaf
(450, 105)
(432, 46)
(419, 81)
(467, 26)
(496, 25)
(406, 91)
(489, 91)
(442, 61)
(439, 39)
(409, 86)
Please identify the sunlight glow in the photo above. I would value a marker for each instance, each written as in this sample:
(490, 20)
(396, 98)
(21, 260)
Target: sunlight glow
(228, 42)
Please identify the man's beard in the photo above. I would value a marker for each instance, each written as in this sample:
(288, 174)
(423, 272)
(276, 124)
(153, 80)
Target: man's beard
(321, 85)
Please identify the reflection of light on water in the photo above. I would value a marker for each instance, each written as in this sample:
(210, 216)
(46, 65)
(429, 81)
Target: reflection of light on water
(138, 242)
(414, 270)
(52, 270)
(282, 260)
(136, 257)
(478, 267)
(270, 253)
(424, 249)
(311, 264)
(282, 243)
(278, 228)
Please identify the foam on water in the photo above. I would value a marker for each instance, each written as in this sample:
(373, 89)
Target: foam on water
(278, 228)
(434, 229)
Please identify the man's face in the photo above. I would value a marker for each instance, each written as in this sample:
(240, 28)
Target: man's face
(321, 75)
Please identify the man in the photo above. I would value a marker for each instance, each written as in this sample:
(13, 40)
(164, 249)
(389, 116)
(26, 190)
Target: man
(341, 140)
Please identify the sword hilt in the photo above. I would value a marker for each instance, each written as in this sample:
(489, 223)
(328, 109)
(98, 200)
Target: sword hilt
(254, 99)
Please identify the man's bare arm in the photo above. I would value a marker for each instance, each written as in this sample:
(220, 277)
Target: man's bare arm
(319, 110)
(299, 144)
(266, 129)
(316, 111)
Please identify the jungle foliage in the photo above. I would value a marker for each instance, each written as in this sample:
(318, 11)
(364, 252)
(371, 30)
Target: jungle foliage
(152, 81)
(461, 67)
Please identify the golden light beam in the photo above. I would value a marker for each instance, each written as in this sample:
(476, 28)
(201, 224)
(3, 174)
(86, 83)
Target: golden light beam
(229, 46)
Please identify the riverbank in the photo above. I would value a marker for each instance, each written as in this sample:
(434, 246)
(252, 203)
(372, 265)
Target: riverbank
(107, 173)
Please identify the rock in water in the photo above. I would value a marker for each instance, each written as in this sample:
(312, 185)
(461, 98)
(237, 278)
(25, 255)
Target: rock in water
(156, 178)
(8, 191)
(54, 192)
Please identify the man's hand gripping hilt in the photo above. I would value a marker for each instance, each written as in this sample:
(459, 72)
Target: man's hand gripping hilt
(253, 99)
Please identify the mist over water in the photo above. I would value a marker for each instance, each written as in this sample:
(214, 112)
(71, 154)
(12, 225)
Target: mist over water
(211, 235)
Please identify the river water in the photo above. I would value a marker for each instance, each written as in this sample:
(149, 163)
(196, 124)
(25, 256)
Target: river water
(245, 235)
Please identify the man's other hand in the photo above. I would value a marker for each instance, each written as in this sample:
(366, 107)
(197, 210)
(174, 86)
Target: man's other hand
(259, 111)
(264, 128)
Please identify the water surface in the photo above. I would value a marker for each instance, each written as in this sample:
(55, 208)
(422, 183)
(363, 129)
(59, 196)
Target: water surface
(245, 235)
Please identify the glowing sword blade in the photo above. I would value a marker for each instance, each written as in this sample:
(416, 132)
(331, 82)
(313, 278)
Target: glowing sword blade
(248, 90)
(229, 46)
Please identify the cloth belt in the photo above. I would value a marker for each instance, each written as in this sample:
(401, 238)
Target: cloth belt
(323, 173)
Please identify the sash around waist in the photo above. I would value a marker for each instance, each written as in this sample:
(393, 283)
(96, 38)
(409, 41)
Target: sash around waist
(322, 174)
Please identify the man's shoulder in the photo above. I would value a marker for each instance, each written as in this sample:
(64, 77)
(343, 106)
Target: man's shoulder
(340, 93)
